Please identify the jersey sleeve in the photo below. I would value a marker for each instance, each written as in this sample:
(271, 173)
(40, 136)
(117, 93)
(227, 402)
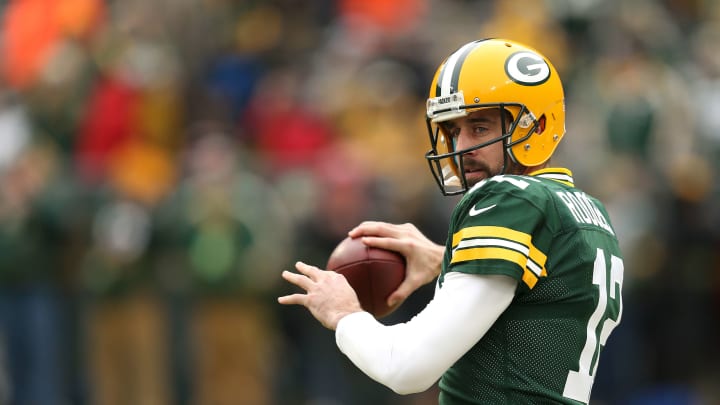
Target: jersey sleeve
(498, 229)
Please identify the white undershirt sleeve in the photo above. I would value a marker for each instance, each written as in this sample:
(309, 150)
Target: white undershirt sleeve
(410, 357)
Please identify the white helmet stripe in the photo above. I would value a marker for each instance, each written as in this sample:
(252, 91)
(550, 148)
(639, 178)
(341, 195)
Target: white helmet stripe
(451, 71)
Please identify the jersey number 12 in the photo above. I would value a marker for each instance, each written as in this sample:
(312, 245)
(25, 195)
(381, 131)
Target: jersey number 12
(579, 383)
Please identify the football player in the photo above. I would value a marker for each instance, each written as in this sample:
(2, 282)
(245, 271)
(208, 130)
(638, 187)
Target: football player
(528, 284)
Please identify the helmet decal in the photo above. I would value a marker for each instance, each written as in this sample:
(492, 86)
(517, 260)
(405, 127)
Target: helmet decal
(527, 68)
(448, 80)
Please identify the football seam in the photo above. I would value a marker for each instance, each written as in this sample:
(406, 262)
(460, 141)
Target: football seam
(363, 261)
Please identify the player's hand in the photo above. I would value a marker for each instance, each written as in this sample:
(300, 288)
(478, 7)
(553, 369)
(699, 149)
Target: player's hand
(423, 256)
(328, 296)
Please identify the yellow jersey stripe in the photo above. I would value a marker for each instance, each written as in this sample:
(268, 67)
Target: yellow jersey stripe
(501, 232)
(559, 174)
(529, 278)
(518, 258)
(491, 232)
(489, 253)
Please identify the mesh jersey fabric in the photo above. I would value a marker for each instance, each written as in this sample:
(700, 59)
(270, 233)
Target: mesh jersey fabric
(559, 244)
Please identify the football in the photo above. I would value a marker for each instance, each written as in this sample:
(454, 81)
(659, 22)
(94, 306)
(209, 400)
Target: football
(372, 272)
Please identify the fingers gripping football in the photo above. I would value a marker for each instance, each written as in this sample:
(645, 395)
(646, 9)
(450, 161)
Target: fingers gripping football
(423, 256)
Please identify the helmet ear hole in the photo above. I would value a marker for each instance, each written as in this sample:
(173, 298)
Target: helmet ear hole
(540, 128)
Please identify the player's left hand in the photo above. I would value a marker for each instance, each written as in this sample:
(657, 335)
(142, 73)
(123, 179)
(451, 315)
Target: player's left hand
(423, 257)
(328, 296)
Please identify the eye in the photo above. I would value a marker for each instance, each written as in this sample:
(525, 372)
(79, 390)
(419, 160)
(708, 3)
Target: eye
(480, 130)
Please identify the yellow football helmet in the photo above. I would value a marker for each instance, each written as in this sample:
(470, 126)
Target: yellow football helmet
(501, 74)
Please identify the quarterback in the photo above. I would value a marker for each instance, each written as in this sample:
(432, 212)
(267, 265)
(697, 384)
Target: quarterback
(528, 284)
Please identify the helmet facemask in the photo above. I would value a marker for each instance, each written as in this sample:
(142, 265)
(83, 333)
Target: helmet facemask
(446, 163)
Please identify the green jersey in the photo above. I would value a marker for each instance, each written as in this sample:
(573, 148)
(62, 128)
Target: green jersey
(559, 244)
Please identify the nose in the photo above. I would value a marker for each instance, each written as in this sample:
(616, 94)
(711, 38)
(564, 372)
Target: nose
(463, 140)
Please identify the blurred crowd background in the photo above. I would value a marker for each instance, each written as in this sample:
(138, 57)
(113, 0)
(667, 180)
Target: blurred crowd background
(161, 162)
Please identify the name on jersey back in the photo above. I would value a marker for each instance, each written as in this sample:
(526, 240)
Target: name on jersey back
(584, 210)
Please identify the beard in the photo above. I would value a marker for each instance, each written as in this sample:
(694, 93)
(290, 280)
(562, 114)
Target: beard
(476, 171)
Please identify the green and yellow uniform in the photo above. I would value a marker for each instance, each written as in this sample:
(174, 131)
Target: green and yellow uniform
(559, 244)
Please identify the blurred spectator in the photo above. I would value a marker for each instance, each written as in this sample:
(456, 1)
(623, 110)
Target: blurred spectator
(33, 30)
(37, 212)
(221, 241)
(285, 128)
(125, 321)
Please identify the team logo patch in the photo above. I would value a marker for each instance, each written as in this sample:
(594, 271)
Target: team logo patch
(527, 68)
